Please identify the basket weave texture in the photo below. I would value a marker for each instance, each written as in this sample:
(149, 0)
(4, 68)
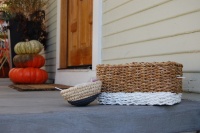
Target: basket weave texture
(82, 91)
(141, 77)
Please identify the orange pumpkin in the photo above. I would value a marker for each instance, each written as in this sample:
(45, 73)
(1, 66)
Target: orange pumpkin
(29, 60)
(28, 75)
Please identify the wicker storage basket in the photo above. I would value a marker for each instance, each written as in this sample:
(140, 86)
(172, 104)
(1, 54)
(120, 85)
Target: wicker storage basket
(82, 94)
(140, 83)
(141, 77)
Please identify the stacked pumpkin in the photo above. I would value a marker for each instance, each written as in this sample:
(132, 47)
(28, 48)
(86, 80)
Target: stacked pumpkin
(28, 62)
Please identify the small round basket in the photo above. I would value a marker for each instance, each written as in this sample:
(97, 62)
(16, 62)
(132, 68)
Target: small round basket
(82, 94)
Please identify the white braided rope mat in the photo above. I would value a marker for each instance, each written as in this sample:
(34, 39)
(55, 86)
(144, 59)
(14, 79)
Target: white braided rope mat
(139, 98)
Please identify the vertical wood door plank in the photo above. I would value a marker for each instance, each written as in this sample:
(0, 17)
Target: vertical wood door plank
(80, 32)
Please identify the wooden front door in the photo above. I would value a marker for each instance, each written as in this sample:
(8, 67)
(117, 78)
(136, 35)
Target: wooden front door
(79, 32)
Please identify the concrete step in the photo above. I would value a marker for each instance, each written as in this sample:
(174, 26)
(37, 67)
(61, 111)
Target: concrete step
(5, 81)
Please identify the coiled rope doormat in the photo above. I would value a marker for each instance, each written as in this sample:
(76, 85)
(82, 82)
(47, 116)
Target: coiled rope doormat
(37, 87)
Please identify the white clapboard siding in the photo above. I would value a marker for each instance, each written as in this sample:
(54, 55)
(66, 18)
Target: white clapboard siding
(111, 4)
(52, 10)
(153, 31)
(190, 61)
(52, 26)
(50, 69)
(191, 82)
(51, 48)
(50, 52)
(52, 33)
(132, 7)
(51, 75)
(187, 43)
(50, 61)
(172, 27)
(153, 15)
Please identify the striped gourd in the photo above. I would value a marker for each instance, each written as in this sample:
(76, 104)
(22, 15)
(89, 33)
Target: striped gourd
(29, 47)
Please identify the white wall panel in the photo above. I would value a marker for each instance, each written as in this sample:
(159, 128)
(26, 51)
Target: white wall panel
(52, 33)
(52, 26)
(50, 54)
(50, 51)
(153, 15)
(50, 61)
(184, 24)
(189, 60)
(187, 43)
(111, 4)
(130, 8)
(51, 41)
(51, 48)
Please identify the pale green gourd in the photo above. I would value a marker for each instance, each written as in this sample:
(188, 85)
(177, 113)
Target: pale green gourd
(28, 47)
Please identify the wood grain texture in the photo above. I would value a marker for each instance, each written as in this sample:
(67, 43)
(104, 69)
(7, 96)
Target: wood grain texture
(63, 35)
(80, 32)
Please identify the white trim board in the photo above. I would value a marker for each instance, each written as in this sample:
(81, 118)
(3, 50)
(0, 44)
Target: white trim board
(73, 77)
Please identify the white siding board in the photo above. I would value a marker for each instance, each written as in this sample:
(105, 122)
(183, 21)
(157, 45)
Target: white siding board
(51, 14)
(52, 21)
(172, 27)
(52, 33)
(51, 48)
(189, 60)
(51, 41)
(52, 27)
(111, 4)
(50, 62)
(50, 52)
(192, 82)
(51, 10)
(191, 96)
(50, 55)
(50, 69)
(132, 7)
(52, 4)
(160, 13)
(187, 43)
(51, 76)
(51, 1)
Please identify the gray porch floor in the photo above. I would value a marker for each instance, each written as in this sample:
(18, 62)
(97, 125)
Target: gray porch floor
(48, 112)
(15, 102)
